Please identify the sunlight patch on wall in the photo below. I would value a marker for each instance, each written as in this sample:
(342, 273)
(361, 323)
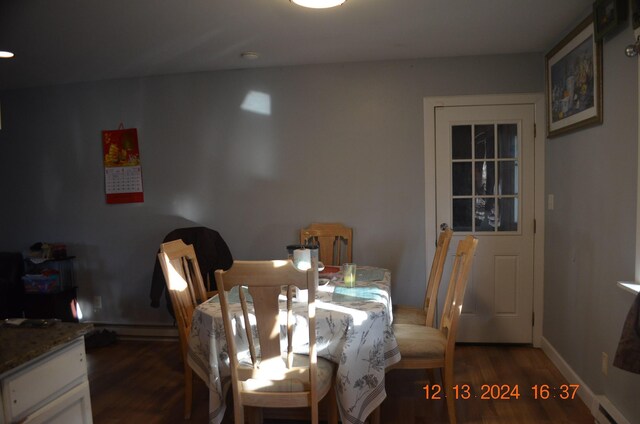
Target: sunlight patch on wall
(186, 205)
(257, 102)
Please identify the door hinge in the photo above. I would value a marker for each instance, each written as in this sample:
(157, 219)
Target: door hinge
(533, 319)
(535, 226)
(535, 130)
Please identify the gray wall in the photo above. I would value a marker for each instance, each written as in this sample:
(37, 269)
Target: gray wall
(590, 234)
(341, 143)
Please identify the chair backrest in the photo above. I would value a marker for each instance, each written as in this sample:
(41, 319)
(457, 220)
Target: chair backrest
(263, 281)
(178, 248)
(184, 283)
(435, 275)
(330, 238)
(457, 286)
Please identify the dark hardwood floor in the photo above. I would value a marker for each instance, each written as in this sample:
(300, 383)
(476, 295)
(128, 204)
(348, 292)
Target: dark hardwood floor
(141, 382)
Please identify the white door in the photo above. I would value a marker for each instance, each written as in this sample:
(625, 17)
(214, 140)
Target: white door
(485, 187)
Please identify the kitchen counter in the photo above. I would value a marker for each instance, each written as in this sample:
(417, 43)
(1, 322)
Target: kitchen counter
(20, 345)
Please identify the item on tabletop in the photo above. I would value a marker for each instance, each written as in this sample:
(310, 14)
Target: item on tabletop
(349, 274)
(313, 252)
(329, 273)
(291, 248)
(302, 259)
(302, 295)
(330, 270)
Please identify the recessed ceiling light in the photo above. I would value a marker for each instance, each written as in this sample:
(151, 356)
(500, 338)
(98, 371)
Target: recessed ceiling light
(318, 4)
(249, 55)
(5, 54)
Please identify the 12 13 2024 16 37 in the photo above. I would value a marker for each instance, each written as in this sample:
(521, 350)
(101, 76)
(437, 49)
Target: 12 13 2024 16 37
(503, 391)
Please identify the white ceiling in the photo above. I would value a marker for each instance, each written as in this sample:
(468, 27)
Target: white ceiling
(62, 41)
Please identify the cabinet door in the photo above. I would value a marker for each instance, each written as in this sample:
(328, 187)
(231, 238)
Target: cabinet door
(74, 407)
(53, 374)
(41, 381)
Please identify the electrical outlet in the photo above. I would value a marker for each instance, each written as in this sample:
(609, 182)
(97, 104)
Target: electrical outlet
(97, 302)
(605, 363)
(550, 201)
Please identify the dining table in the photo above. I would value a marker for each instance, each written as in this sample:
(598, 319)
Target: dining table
(353, 327)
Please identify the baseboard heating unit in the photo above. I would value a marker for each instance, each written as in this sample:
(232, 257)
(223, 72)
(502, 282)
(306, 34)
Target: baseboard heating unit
(606, 413)
(140, 332)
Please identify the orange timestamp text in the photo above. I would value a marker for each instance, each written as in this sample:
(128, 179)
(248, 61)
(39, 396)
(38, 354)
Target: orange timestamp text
(502, 391)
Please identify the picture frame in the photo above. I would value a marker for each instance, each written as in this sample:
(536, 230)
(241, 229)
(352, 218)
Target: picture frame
(635, 13)
(573, 81)
(608, 16)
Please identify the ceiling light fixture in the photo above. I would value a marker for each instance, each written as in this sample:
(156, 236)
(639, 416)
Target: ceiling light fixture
(249, 55)
(318, 4)
(5, 54)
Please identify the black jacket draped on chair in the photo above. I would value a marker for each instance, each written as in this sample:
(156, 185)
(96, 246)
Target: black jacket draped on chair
(212, 253)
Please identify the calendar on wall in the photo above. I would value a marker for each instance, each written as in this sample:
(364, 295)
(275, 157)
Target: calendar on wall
(122, 169)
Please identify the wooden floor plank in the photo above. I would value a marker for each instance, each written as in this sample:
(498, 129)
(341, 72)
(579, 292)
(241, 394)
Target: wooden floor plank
(141, 381)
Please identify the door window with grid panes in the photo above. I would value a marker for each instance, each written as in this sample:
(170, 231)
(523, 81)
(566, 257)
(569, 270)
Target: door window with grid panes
(484, 172)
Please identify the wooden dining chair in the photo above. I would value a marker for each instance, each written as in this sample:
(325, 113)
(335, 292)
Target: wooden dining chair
(186, 290)
(331, 238)
(266, 376)
(404, 314)
(423, 347)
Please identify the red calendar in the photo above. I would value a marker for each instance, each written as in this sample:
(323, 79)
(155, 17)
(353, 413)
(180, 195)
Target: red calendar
(122, 169)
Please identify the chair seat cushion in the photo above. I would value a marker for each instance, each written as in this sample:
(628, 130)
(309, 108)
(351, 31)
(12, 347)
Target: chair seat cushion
(403, 314)
(325, 374)
(419, 341)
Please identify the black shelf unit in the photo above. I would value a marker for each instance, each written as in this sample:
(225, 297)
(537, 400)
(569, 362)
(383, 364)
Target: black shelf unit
(62, 303)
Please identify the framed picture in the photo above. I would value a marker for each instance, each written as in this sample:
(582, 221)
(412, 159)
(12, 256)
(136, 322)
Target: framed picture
(574, 81)
(608, 15)
(635, 13)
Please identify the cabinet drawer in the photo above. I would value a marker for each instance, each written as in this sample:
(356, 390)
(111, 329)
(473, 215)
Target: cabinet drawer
(74, 407)
(45, 379)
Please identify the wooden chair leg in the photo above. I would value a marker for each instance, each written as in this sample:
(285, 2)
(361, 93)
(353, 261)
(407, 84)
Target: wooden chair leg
(238, 413)
(431, 375)
(374, 418)
(188, 390)
(254, 415)
(332, 404)
(451, 405)
(314, 413)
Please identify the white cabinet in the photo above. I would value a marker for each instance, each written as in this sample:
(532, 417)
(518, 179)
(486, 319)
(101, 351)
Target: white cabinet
(52, 388)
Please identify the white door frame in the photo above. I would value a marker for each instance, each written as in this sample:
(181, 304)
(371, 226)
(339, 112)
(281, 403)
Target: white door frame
(537, 99)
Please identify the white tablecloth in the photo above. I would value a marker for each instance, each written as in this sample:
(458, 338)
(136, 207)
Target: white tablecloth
(353, 330)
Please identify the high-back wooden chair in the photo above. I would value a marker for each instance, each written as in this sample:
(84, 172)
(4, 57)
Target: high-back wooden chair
(186, 290)
(423, 347)
(178, 248)
(267, 376)
(331, 238)
(403, 314)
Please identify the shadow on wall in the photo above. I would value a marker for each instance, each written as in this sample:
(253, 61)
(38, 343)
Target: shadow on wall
(120, 273)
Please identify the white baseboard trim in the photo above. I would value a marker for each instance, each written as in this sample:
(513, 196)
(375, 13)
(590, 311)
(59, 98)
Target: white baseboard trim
(592, 400)
(140, 332)
(606, 407)
(585, 393)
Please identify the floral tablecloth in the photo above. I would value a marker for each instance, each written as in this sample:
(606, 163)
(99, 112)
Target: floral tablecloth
(353, 330)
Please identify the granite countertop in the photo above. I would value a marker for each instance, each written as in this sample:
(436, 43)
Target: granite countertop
(19, 345)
